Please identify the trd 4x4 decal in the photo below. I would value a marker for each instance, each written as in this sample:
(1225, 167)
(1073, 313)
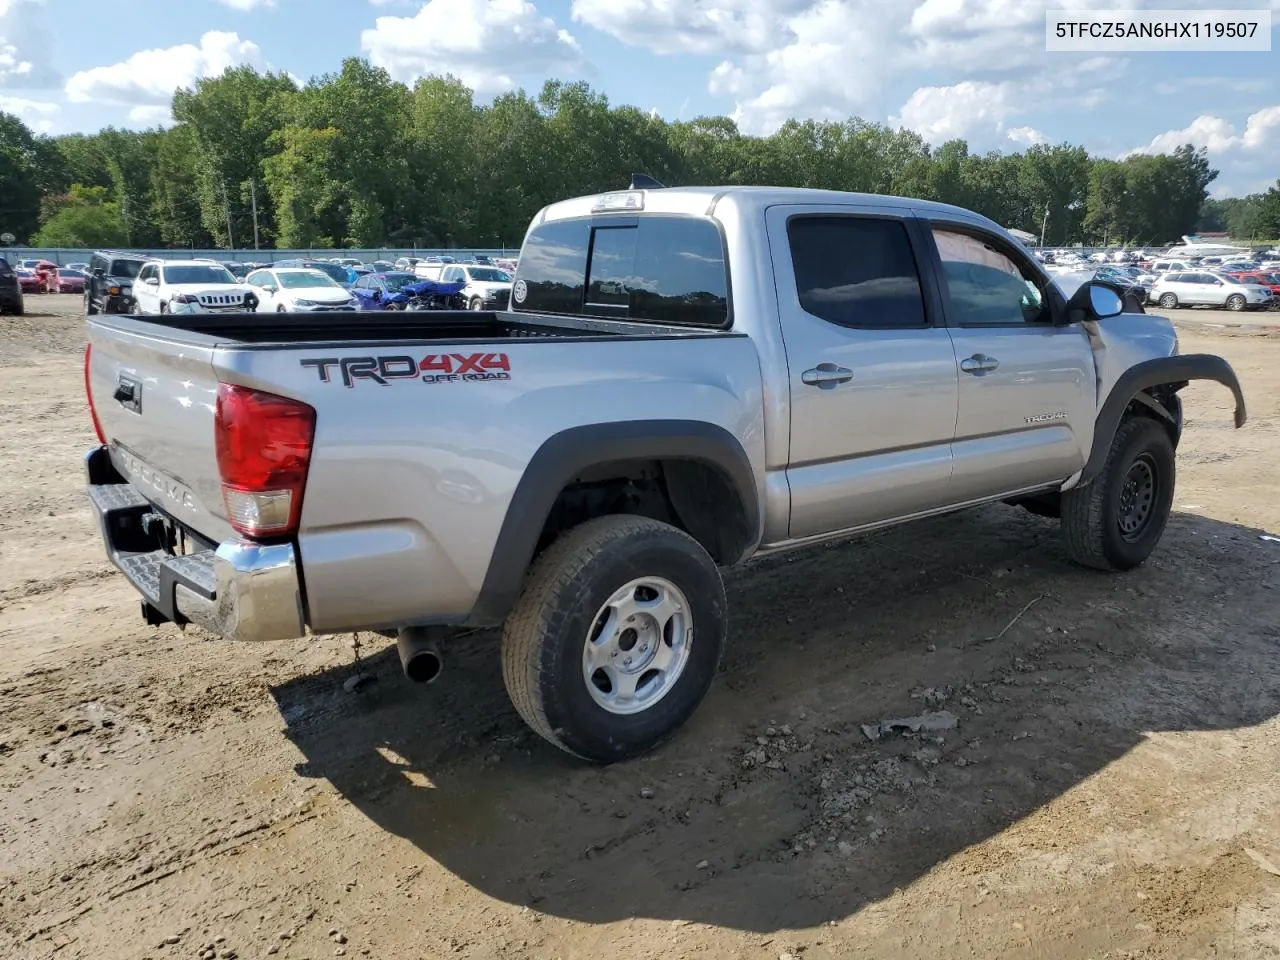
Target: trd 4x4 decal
(433, 368)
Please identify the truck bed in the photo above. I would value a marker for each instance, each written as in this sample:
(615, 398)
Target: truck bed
(417, 327)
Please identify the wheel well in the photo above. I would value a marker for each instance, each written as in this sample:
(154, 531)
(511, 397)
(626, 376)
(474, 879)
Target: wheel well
(693, 495)
(1162, 404)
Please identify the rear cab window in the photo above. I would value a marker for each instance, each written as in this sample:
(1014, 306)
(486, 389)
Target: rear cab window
(650, 268)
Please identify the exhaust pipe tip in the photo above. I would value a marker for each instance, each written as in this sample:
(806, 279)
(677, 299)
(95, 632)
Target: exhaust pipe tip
(420, 655)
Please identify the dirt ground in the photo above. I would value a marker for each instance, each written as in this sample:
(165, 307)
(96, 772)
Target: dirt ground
(1112, 789)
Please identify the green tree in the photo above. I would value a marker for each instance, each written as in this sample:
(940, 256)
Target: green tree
(231, 118)
(19, 178)
(302, 181)
(86, 217)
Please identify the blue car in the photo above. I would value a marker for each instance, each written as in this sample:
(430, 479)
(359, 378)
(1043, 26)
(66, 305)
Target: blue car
(397, 290)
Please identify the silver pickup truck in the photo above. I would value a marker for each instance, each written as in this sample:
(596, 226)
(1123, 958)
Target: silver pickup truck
(685, 379)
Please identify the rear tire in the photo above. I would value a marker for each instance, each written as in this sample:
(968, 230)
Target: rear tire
(1115, 522)
(281, 309)
(1168, 301)
(1236, 303)
(89, 308)
(615, 589)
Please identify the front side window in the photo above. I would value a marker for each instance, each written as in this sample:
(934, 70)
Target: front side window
(652, 269)
(984, 286)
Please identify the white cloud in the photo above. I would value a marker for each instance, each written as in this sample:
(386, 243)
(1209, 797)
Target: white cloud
(1027, 136)
(829, 59)
(1213, 133)
(689, 26)
(943, 113)
(247, 4)
(485, 43)
(1240, 154)
(26, 54)
(149, 77)
(37, 114)
(151, 115)
(1262, 128)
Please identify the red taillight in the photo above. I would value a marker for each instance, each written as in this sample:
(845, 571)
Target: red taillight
(264, 449)
(88, 393)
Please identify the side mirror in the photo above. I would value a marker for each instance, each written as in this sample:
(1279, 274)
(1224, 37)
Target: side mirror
(152, 281)
(1094, 301)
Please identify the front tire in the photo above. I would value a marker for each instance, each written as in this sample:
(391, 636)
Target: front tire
(475, 304)
(1236, 303)
(1115, 522)
(600, 655)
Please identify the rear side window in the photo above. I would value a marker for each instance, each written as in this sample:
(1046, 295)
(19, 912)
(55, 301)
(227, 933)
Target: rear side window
(856, 271)
(5, 269)
(668, 270)
(125, 268)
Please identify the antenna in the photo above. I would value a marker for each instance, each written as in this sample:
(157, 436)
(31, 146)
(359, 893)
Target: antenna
(642, 181)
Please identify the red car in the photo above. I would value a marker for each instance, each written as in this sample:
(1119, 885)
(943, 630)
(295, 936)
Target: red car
(29, 282)
(67, 281)
(1269, 280)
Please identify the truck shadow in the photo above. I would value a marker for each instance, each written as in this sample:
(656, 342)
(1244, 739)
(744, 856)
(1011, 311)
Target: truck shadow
(772, 809)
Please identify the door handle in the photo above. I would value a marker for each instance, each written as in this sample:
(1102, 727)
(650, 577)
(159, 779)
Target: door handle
(979, 364)
(826, 376)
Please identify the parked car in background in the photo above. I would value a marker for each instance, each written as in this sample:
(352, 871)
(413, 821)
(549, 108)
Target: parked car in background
(376, 288)
(11, 300)
(486, 288)
(1205, 289)
(29, 281)
(82, 267)
(407, 263)
(66, 280)
(299, 289)
(1167, 266)
(190, 286)
(236, 269)
(1269, 280)
(382, 266)
(108, 287)
(30, 264)
(335, 272)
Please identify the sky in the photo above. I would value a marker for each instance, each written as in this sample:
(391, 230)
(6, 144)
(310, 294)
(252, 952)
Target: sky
(976, 69)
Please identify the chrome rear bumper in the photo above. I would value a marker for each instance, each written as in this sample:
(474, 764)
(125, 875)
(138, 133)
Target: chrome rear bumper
(238, 589)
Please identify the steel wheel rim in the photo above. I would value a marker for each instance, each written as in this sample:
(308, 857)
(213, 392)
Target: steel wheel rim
(638, 646)
(1138, 494)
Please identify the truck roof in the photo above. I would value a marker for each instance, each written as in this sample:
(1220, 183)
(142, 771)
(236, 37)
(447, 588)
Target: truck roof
(702, 201)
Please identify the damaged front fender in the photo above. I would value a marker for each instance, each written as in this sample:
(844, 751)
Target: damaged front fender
(1173, 372)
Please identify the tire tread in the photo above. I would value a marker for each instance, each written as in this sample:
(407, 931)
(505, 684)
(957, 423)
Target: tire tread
(1084, 510)
(553, 573)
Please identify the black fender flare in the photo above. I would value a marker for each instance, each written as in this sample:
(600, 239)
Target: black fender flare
(1175, 371)
(570, 452)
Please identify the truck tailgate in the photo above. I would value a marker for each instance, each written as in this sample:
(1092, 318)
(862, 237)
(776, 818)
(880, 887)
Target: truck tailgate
(154, 397)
